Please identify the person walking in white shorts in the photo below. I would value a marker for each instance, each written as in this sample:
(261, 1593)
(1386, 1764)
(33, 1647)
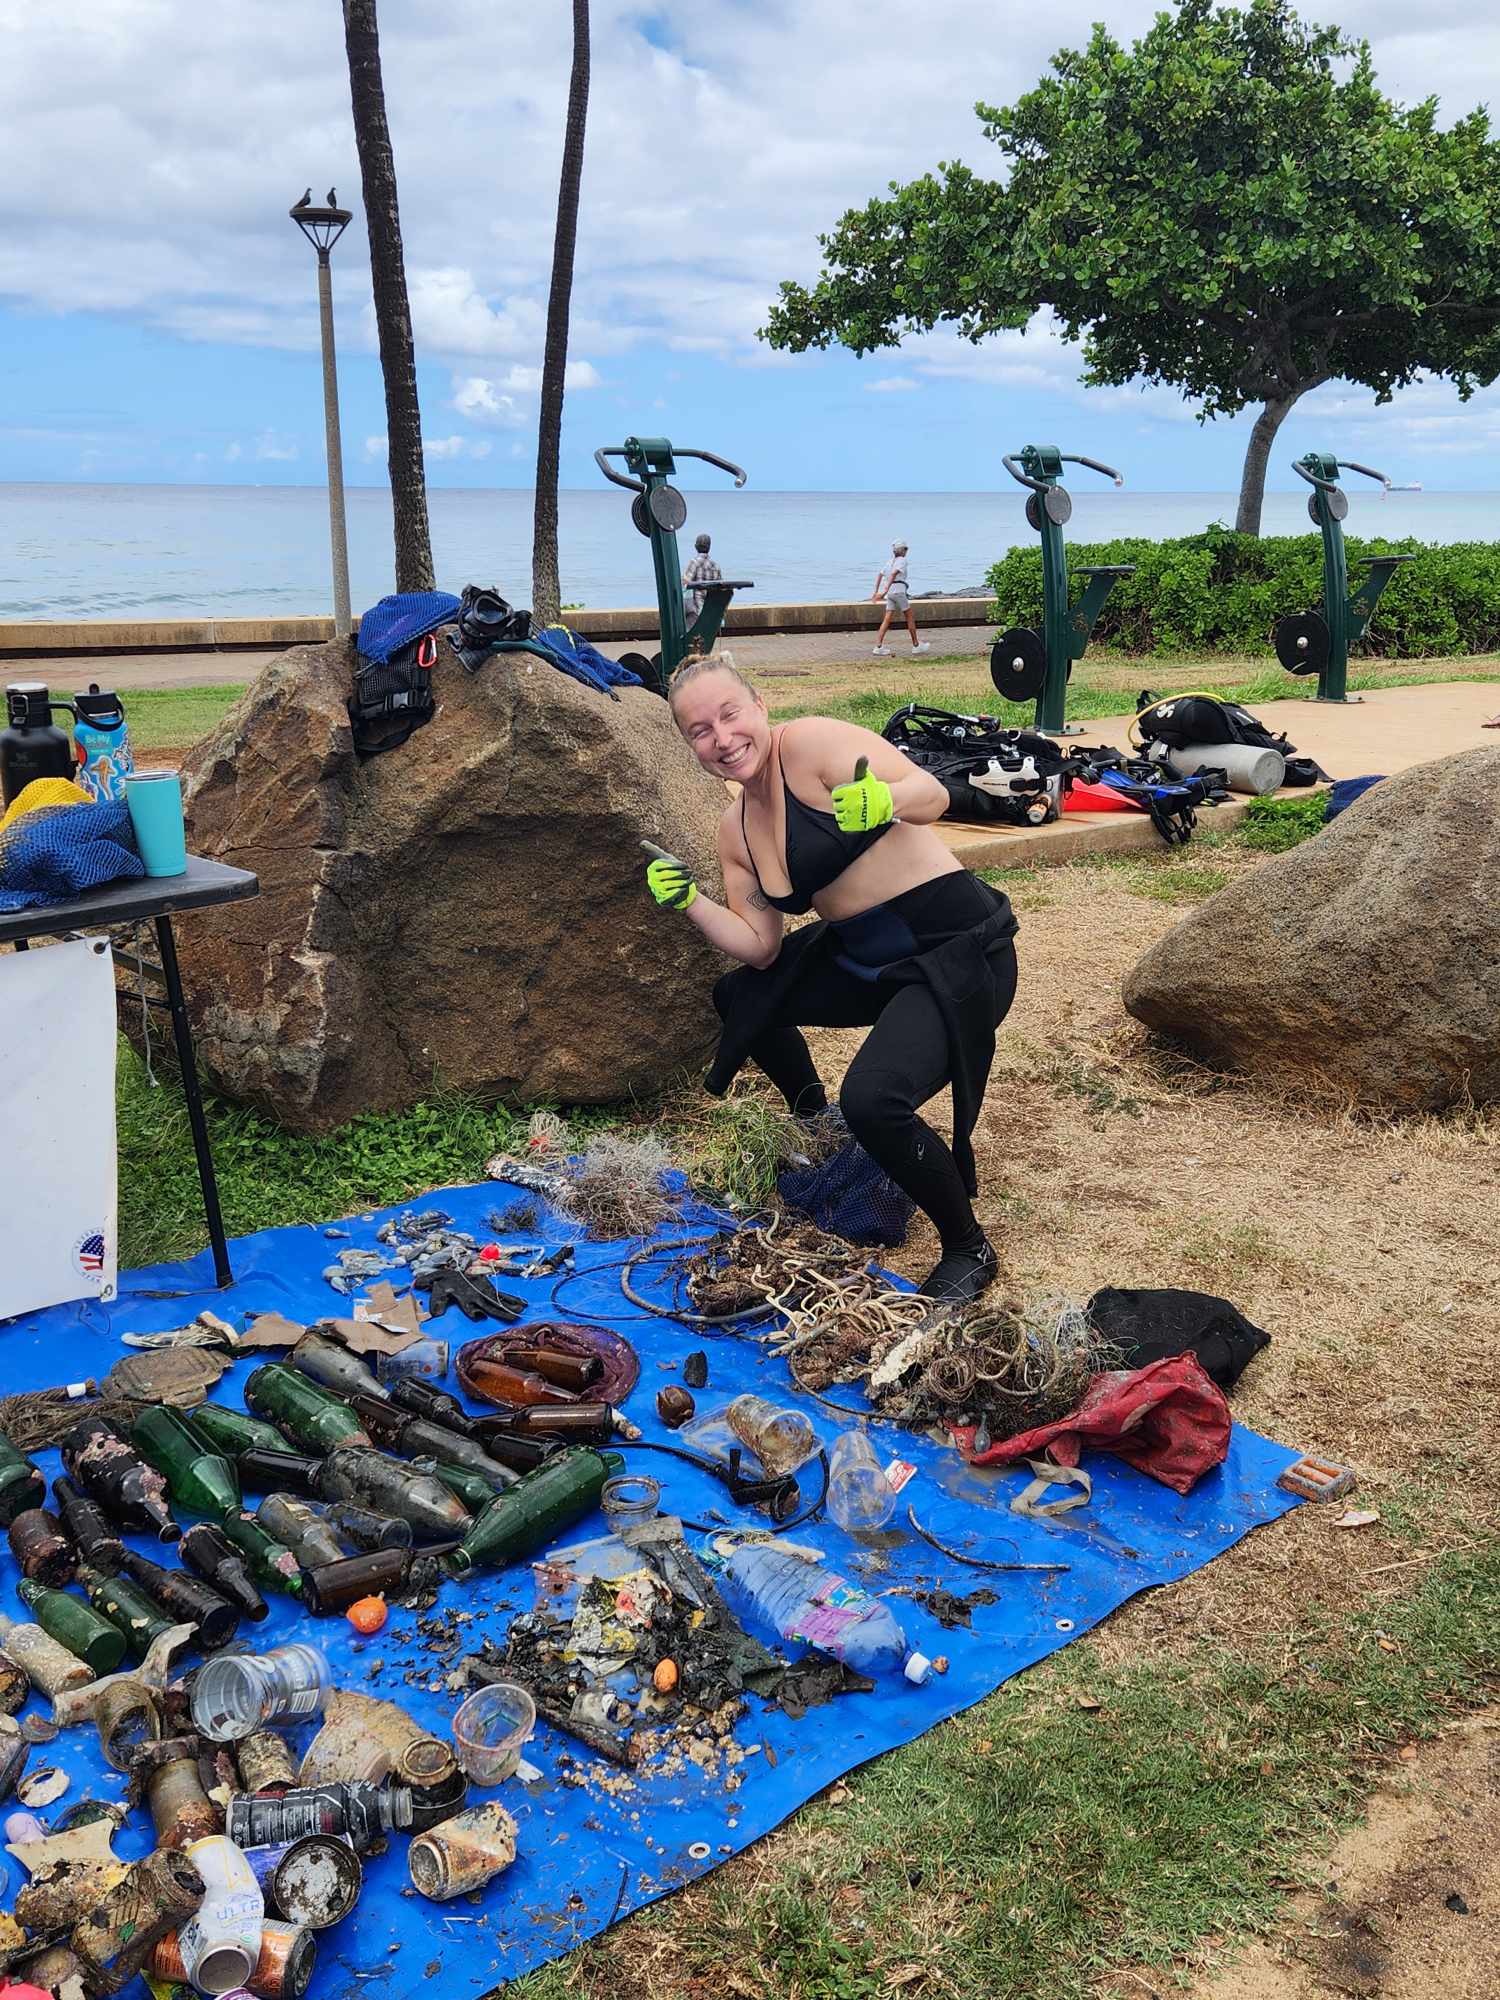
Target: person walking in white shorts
(897, 603)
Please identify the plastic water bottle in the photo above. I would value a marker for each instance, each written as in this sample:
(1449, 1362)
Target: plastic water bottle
(237, 1693)
(809, 1605)
(859, 1495)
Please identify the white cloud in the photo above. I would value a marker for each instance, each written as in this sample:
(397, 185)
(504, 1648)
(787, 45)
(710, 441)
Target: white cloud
(477, 398)
(891, 385)
(434, 449)
(234, 451)
(274, 448)
(129, 191)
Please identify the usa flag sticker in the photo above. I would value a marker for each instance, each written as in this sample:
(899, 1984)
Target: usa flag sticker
(90, 1255)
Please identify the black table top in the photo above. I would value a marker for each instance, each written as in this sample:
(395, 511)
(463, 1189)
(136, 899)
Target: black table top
(205, 882)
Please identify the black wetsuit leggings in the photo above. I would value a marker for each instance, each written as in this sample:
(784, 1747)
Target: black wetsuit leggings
(903, 1063)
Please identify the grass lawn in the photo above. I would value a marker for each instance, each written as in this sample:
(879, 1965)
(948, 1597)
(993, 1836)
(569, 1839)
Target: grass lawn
(166, 722)
(1112, 1821)
(1107, 685)
(171, 720)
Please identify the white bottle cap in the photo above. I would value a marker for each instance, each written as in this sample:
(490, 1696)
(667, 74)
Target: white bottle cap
(918, 1668)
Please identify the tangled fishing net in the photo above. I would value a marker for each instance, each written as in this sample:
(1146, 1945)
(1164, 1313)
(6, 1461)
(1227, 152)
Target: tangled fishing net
(615, 1187)
(833, 1307)
(1004, 1366)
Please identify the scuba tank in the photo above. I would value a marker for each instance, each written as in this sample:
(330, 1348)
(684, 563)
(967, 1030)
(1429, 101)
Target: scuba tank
(102, 743)
(31, 747)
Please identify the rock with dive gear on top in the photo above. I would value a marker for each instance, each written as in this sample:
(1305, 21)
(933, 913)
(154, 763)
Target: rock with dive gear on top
(1365, 962)
(466, 908)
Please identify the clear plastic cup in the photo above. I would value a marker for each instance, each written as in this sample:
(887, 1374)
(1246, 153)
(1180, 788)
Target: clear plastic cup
(490, 1729)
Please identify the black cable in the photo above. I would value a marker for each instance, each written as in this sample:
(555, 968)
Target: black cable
(708, 1465)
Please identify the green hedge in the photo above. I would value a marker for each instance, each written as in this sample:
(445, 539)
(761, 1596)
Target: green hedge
(1220, 592)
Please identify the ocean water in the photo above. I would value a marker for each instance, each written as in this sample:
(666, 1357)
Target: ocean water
(134, 552)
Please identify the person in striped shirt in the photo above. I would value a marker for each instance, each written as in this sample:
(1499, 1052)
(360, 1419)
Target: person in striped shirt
(702, 569)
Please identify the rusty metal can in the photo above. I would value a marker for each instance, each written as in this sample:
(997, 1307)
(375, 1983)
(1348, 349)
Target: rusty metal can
(267, 1766)
(152, 1898)
(126, 1716)
(439, 1784)
(283, 1970)
(463, 1853)
(180, 1808)
(317, 1881)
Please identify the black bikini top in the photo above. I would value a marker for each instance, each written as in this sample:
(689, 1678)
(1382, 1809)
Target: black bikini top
(817, 849)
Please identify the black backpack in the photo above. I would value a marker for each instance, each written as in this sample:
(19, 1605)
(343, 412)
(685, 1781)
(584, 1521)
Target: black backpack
(1181, 719)
(392, 697)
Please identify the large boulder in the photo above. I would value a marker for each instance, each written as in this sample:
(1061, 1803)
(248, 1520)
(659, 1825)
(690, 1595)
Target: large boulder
(1367, 959)
(468, 910)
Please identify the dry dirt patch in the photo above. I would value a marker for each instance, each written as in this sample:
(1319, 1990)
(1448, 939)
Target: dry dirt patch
(1410, 1903)
(1369, 1251)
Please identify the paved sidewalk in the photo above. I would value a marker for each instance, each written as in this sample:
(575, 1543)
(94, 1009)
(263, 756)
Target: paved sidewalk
(773, 654)
(1388, 730)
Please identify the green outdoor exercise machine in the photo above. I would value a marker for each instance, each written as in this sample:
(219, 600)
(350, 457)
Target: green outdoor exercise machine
(659, 510)
(1027, 665)
(1318, 642)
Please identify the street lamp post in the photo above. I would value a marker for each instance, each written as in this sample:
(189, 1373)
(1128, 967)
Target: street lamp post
(323, 227)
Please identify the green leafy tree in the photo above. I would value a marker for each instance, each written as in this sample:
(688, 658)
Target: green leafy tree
(1230, 206)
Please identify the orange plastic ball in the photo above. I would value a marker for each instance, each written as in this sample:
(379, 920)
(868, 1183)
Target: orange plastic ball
(665, 1677)
(368, 1615)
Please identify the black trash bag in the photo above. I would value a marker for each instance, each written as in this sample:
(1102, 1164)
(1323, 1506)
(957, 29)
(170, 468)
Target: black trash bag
(1150, 1325)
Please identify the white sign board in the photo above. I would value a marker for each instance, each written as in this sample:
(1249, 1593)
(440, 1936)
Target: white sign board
(57, 1126)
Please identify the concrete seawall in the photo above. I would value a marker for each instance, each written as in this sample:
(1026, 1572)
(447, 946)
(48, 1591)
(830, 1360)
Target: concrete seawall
(227, 635)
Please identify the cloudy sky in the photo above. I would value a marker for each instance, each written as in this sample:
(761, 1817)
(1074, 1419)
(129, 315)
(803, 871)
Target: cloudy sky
(158, 310)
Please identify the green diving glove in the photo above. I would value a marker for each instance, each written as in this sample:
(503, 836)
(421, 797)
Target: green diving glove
(668, 879)
(864, 803)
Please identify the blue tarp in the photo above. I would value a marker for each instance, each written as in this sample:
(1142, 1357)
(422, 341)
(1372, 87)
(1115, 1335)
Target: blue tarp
(589, 1853)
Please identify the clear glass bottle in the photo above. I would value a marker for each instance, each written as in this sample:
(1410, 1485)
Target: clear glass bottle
(781, 1439)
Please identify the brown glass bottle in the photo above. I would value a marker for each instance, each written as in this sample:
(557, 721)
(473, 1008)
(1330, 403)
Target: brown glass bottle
(41, 1549)
(335, 1586)
(564, 1371)
(500, 1383)
(94, 1538)
(130, 1491)
(186, 1598)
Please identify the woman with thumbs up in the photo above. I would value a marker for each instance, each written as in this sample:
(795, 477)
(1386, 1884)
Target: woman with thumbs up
(833, 819)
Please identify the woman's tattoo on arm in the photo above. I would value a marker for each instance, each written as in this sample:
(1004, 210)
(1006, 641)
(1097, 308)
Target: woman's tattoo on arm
(758, 901)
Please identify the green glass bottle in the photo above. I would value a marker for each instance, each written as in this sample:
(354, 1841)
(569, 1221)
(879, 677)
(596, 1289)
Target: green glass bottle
(74, 1624)
(197, 1479)
(229, 1432)
(272, 1564)
(475, 1492)
(537, 1507)
(21, 1485)
(308, 1415)
(126, 1606)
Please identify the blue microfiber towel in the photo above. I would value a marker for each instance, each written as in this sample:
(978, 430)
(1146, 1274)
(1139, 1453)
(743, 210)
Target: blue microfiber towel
(395, 621)
(59, 852)
(1344, 791)
(578, 657)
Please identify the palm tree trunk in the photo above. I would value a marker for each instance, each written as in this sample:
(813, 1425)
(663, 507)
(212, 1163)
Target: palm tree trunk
(403, 416)
(546, 592)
